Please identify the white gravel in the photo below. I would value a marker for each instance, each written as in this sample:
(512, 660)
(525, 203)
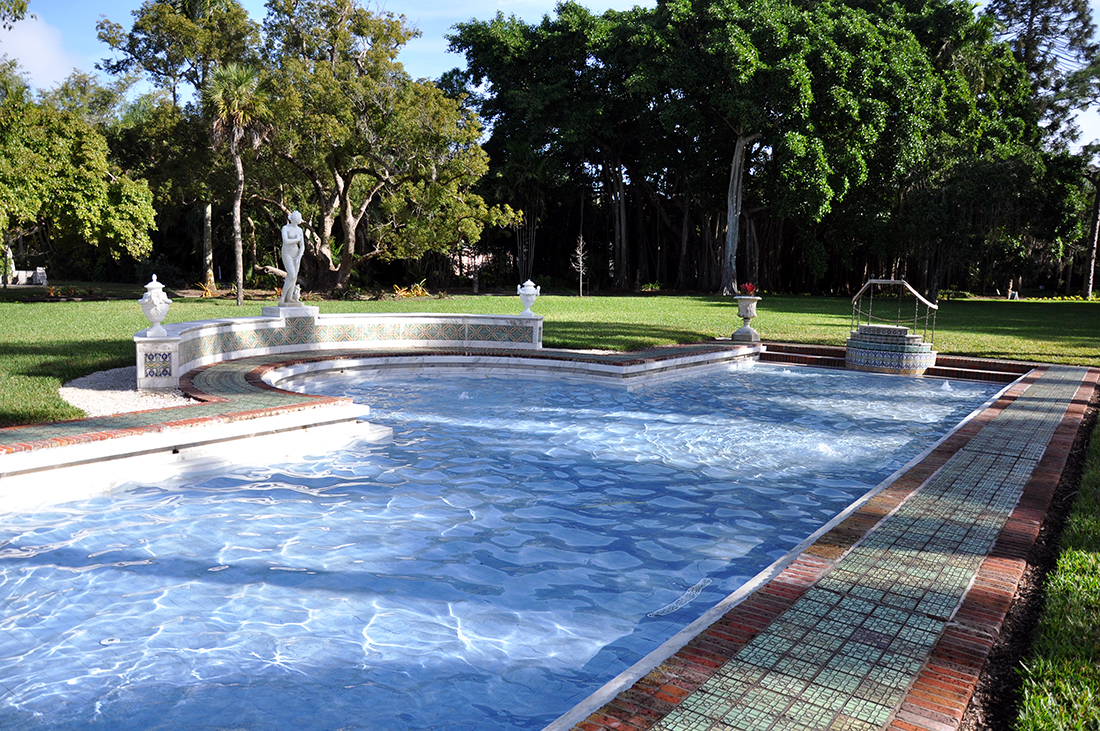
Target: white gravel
(115, 392)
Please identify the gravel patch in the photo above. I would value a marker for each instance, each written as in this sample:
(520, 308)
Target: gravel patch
(115, 392)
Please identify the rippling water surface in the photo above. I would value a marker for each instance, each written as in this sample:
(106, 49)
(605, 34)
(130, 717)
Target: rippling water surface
(518, 544)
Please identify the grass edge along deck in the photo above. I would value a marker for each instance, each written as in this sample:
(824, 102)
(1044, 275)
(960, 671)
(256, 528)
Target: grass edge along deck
(887, 620)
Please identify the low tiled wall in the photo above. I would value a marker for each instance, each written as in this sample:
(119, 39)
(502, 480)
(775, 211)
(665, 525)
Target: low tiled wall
(161, 360)
(888, 349)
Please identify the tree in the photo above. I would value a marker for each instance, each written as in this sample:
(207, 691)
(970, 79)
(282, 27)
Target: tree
(12, 11)
(389, 161)
(240, 104)
(177, 42)
(1054, 41)
(818, 91)
(101, 105)
(58, 183)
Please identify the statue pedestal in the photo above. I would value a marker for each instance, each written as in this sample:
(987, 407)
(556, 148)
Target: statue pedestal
(285, 311)
(745, 334)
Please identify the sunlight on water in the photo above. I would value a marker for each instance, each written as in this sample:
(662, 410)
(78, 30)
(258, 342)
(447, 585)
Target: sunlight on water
(518, 544)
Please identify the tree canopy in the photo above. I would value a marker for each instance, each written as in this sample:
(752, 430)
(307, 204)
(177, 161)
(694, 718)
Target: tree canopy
(60, 192)
(845, 131)
(697, 144)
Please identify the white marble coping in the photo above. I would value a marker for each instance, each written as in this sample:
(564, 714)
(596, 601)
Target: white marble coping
(42, 477)
(296, 377)
(273, 316)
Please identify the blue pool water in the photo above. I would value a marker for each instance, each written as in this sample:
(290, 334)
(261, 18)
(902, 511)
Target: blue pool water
(518, 544)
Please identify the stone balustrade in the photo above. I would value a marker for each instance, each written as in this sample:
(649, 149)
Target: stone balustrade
(161, 360)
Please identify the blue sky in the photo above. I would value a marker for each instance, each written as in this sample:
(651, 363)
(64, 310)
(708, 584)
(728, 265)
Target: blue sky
(63, 37)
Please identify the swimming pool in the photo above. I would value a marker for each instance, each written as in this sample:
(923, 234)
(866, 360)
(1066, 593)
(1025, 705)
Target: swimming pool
(518, 544)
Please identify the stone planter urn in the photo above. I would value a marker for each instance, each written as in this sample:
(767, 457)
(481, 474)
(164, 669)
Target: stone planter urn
(528, 293)
(155, 305)
(746, 310)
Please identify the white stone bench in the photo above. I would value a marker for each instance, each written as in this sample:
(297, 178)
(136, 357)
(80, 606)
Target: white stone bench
(26, 276)
(161, 360)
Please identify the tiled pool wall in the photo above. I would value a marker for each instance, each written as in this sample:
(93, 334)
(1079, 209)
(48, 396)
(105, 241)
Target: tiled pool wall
(162, 360)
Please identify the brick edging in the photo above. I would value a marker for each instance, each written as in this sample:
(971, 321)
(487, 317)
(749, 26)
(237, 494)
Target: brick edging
(947, 681)
(940, 695)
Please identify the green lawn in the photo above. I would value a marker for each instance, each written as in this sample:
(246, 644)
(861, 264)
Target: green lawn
(44, 344)
(1062, 677)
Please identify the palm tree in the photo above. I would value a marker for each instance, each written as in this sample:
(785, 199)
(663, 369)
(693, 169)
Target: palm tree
(236, 94)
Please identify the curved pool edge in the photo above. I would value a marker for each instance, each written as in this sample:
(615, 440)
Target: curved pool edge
(237, 405)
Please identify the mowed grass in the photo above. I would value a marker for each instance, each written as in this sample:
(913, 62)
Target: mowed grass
(1062, 676)
(44, 344)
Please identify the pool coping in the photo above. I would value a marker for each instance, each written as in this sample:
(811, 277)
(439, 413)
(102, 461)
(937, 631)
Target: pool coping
(240, 399)
(235, 395)
(938, 694)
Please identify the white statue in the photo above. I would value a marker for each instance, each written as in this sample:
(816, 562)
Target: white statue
(294, 246)
(9, 266)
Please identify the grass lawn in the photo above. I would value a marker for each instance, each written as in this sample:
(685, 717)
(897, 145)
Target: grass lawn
(44, 344)
(1062, 676)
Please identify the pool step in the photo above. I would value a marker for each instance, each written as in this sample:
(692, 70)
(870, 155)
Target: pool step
(822, 356)
(947, 366)
(995, 371)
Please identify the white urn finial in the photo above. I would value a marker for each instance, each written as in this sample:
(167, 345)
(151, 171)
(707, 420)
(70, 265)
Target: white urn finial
(155, 305)
(528, 293)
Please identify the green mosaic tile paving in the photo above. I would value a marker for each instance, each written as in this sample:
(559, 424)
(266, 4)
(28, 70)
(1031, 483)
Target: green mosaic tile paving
(861, 635)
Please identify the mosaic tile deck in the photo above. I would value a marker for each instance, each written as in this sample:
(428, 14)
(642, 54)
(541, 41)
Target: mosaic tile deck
(884, 623)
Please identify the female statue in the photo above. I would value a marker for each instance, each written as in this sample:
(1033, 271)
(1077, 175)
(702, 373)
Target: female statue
(294, 247)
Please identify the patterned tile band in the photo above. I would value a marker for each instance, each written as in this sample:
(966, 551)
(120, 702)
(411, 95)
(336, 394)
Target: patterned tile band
(201, 344)
(888, 349)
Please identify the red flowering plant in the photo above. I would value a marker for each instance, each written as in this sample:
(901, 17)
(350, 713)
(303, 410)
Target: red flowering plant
(748, 289)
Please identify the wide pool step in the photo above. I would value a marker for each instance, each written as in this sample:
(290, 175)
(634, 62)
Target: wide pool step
(956, 367)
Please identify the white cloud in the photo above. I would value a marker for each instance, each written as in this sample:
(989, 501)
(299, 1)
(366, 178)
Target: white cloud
(38, 47)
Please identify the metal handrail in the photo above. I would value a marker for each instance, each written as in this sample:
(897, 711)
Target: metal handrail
(902, 282)
(930, 309)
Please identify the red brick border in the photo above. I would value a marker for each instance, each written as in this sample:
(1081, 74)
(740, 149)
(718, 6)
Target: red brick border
(942, 691)
(940, 695)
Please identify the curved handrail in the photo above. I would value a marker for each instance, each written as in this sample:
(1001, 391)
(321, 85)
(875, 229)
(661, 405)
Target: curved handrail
(929, 312)
(902, 282)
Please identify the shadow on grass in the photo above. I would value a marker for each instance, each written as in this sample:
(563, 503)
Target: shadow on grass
(64, 359)
(625, 336)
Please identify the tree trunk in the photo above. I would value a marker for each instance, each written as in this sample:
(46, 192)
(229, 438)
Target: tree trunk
(208, 248)
(619, 225)
(238, 244)
(753, 251)
(733, 214)
(1094, 233)
(683, 269)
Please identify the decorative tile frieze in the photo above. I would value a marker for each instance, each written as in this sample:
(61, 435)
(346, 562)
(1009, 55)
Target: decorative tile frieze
(302, 329)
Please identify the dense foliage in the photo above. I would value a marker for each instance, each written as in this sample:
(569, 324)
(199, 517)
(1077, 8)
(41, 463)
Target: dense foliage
(842, 139)
(59, 186)
(695, 145)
